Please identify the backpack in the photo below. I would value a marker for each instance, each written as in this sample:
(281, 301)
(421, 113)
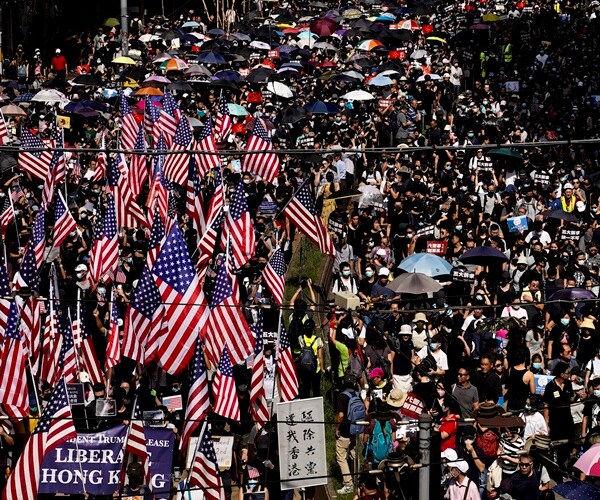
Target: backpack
(488, 442)
(381, 442)
(307, 359)
(383, 363)
(355, 364)
(356, 411)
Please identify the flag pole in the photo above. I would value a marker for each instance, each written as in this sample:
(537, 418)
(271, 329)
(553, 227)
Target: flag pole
(122, 472)
(14, 217)
(200, 436)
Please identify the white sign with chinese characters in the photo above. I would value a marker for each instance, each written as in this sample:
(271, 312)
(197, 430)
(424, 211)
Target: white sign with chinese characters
(301, 434)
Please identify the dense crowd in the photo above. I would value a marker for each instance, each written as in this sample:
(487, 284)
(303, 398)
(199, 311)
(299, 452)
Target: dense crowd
(502, 351)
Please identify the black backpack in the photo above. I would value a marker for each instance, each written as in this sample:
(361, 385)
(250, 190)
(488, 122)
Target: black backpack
(383, 363)
(307, 361)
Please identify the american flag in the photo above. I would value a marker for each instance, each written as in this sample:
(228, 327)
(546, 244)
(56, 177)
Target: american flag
(138, 167)
(129, 213)
(16, 193)
(58, 141)
(151, 117)
(288, 378)
(101, 162)
(238, 228)
(205, 469)
(35, 163)
(143, 320)
(89, 358)
(159, 186)
(103, 262)
(13, 363)
(157, 236)
(224, 391)
(50, 181)
(128, 124)
(51, 346)
(197, 403)
(274, 275)
(208, 241)
(31, 328)
(216, 202)
(176, 165)
(95, 257)
(206, 143)
(53, 428)
(4, 292)
(223, 124)
(4, 137)
(68, 356)
(226, 324)
(136, 441)
(301, 211)
(113, 350)
(194, 203)
(64, 223)
(266, 163)
(34, 255)
(258, 400)
(170, 115)
(8, 214)
(183, 299)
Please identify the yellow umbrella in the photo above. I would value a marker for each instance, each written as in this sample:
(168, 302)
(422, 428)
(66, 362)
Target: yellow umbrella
(111, 22)
(284, 25)
(491, 18)
(123, 60)
(436, 39)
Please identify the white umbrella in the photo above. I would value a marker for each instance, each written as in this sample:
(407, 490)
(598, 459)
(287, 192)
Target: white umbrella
(49, 95)
(389, 72)
(358, 95)
(256, 44)
(432, 76)
(354, 74)
(370, 196)
(324, 46)
(148, 37)
(280, 89)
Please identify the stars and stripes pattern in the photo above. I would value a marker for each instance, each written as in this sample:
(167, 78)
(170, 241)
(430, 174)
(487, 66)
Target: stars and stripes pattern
(95, 258)
(101, 162)
(151, 117)
(176, 165)
(224, 390)
(104, 257)
(274, 275)
(206, 143)
(258, 400)
(31, 328)
(7, 217)
(205, 469)
(143, 321)
(35, 163)
(197, 403)
(266, 163)
(238, 228)
(138, 166)
(13, 362)
(301, 211)
(129, 126)
(288, 377)
(68, 356)
(64, 223)
(170, 115)
(223, 124)
(53, 428)
(51, 346)
(89, 359)
(226, 324)
(160, 186)
(129, 213)
(157, 236)
(136, 442)
(33, 256)
(51, 180)
(4, 136)
(5, 301)
(113, 349)
(194, 202)
(183, 299)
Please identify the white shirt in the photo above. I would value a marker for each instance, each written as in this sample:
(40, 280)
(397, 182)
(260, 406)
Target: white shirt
(440, 357)
(534, 424)
(593, 367)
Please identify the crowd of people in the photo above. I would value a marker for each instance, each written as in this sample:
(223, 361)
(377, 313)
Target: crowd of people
(390, 114)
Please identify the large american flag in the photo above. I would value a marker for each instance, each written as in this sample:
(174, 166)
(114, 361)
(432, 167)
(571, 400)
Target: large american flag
(266, 163)
(138, 167)
(176, 165)
(206, 142)
(128, 124)
(224, 390)
(136, 441)
(194, 202)
(183, 299)
(157, 236)
(33, 256)
(31, 328)
(238, 228)
(197, 403)
(214, 221)
(68, 356)
(64, 223)
(129, 213)
(101, 162)
(226, 324)
(13, 363)
(53, 428)
(7, 216)
(89, 358)
(170, 115)
(104, 256)
(5, 300)
(301, 211)
(143, 320)
(258, 400)
(223, 123)
(151, 117)
(113, 350)
(51, 180)
(274, 275)
(35, 163)
(4, 137)
(288, 377)
(51, 346)
(205, 469)
(159, 186)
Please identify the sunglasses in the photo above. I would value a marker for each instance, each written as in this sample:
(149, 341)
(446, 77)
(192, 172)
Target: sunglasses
(524, 464)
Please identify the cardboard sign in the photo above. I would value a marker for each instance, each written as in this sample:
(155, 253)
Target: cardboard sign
(543, 179)
(267, 208)
(383, 104)
(75, 394)
(223, 450)
(106, 408)
(513, 86)
(437, 247)
(463, 276)
(153, 418)
(334, 226)
(413, 406)
(517, 224)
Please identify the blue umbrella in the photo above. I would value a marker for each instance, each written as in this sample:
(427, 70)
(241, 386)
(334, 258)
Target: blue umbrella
(426, 263)
(572, 294)
(577, 490)
(321, 108)
(380, 81)
(26, 97)
(229, 75)
(211, 58)
(216, 32)
(482, 256)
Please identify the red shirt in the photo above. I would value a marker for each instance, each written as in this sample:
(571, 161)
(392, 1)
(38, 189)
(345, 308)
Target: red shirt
(449, 425)
(59, 63)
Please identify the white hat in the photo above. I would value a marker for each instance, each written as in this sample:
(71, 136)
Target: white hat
(381, 252)
(384, 271)
(58, 51)
(450, 455)
(446, 75)
(522, 260)
(81, 267)
(405, 330)
(461, 465)
(568, 185)
(348, 332)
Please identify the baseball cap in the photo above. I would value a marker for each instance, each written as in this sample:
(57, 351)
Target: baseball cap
(384, 271)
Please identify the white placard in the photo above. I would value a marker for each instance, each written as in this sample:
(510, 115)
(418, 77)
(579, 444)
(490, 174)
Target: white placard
(223, 450)
(301, 435)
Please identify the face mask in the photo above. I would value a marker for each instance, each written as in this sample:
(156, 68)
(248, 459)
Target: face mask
(537, 366)
(597, 393)
(72, 233)
(83, 216)
(81, 275)
(102, 291)
(369, 274)
(459, 228)
(246, 181)
(129, 260)
(434, 346)
(581, 262)
(448, 167)
(441, 393)
(252, 483)
(468, 442)
(470, 135)
(565, 321)
(345, 274)
(409, 235)
(516, 307)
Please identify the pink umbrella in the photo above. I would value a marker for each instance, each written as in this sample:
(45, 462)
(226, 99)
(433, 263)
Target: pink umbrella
(324, 27)
(589, 462)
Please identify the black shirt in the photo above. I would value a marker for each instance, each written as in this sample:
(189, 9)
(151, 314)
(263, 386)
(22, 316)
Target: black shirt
(561, 419)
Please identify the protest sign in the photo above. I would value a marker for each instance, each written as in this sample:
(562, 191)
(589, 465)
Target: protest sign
(334, 226)
(301, 434)
(75, 394)
(96, 460)
(437, 247)
(426, 231)
(570, 234)
(223, 450)
(541, 381)
(462, 276)
(517, 224)
(173, 403)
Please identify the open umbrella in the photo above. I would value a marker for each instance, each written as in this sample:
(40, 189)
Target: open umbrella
(256, 44)
(148, 37)
(123, 60)
(88, 79)
(190, 24)
(432, 76)
(369, 45)
(559, 214)
(149, 91)
(589, 462)
(324, 26)
(280, 89)
(174, 64)
(197, 70)
(380, 81)
(237, 110)
(414, 283)
(504, 153)
(259, 75)
(211, 58)
(180, 86)
(157, 79)
(77, 108)
(111, 22)
(577, 490)
(426, 263)
(344, 193)
(409, 24)
(321, 108)
(572, 294)
(371, 195)
(358, 95)
(24, 97)
(49, 95)
(482, 256)
(351, 14)
(293, 114)
(13, 110)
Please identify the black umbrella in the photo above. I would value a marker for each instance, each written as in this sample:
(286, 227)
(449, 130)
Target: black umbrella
(560, 215)
(482, 256)
(572, 294)
(88, 79)
(223, 84)
(293, 114)
(259, 75)
(345, 193)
